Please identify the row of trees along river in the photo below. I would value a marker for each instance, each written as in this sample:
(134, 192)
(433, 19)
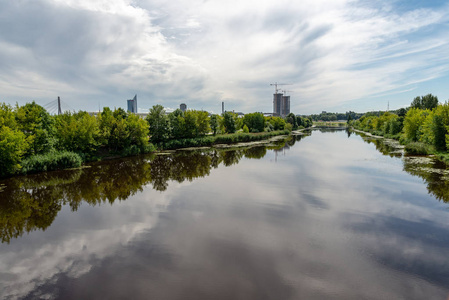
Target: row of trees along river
(423, 127)
(32, 140)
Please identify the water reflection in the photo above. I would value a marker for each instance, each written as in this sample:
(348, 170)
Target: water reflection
(434, 173)
(32, 202)
(331, 219)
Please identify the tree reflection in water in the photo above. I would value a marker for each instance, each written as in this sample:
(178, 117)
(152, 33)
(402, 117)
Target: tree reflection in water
(32, 202)
(434, 173)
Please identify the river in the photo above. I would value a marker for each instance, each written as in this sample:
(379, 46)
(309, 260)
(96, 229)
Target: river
(332, 215)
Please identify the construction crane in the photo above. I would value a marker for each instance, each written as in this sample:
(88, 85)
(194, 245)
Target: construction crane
(285, 92)
(276, 86)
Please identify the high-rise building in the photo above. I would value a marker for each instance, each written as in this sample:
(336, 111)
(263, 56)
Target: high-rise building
(183, 107)
(132, 105)
(277, 100)
(285, 106)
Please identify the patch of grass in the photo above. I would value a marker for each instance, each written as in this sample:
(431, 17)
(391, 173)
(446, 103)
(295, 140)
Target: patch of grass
(51, 161)
(136, 150)
(330, 124)
(444, 157)
(418, 148)
(208, 141)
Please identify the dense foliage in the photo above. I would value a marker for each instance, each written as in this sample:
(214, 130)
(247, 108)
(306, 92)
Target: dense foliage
(328, 116)
(192, 128)
(423, 127)
(32, 140)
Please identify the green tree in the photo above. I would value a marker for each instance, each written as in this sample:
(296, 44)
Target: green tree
(38, 126)
(254, 121)
(177, 124)
(107, 123)
(392, 125)
(214, 123)
(7, 116)
(428, 101)
(159, 124)
(348, 121)
(291, 118)
(119, 137)
(413, 122)
(191, 125)
(137, 131)
(120, 113)
(202, 120)
(13, 146)
(307, 122)
(435, 127)
(78, 132)
(229, 122)
(402, 112)
(277, 123)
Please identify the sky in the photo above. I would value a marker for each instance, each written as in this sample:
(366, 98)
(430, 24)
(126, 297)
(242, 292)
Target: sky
(334, 56)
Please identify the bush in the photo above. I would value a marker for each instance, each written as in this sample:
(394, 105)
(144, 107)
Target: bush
(219, 139)
(148, 148)
(131, 151)
(51, 161)
(418, 148)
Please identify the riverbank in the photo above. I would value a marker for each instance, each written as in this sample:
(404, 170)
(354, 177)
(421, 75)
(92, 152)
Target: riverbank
(411, 149)
(210, 140)
(71, 160)
(332, 125)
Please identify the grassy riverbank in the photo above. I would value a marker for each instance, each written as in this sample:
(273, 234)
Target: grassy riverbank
(59, 160)
(412, 148)
(323, 124)
(210, 140)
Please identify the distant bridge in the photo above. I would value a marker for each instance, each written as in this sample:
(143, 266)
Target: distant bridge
(57, 107)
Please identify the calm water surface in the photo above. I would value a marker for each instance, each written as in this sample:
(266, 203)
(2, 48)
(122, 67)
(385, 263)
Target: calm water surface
(325, 217)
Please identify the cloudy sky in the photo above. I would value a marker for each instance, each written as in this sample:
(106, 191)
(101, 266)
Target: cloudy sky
(336, 55)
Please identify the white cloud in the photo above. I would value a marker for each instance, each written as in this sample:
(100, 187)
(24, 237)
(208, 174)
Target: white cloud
(204, 52)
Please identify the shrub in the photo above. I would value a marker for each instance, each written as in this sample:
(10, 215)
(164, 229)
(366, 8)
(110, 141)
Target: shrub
(51, 161)
(418, 148)
(219, 139)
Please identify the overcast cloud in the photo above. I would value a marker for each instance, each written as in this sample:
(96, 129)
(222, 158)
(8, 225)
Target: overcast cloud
(336, 55)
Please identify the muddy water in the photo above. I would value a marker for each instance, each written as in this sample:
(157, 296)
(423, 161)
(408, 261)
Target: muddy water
(323, 217)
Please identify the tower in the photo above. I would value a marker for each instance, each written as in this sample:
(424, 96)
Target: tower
(132, 105)
(59, 106)
(285, 105)
(277, 104)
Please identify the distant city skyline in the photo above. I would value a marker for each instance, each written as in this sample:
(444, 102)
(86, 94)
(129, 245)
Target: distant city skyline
(336, 55)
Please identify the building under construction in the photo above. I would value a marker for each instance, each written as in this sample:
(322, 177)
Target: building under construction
(281, 104)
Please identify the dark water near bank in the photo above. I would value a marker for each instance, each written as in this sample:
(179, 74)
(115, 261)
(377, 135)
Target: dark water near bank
(327, 216)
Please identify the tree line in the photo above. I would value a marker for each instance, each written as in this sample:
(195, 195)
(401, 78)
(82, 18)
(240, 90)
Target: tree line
(193, 123)
(328, 116)
(32, 140)
(423, 127)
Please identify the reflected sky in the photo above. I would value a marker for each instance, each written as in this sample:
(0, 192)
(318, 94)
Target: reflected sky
(326, 217)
